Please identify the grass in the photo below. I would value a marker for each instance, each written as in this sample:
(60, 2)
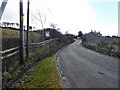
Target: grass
(10, 33)
(47, 75)
(43, 75)
(11, 37)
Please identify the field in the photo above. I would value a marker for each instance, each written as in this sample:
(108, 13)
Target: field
(43, 75)
(10, 38)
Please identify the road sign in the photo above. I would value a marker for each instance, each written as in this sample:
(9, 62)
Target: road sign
(47, 34)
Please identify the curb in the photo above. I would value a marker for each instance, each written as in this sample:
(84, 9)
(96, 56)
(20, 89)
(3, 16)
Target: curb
(64, 81)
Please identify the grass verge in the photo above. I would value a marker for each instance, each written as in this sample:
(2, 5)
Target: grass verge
(43, 75)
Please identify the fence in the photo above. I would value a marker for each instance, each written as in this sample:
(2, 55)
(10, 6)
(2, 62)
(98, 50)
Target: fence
(10, 59)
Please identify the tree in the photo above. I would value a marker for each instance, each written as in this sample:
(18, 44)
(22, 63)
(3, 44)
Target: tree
(66, 32)
(80, 34)
(17, 24)
(12, 24)
(4, 23)
(7, 24)
(40, 19)
(30, 27)
(53, 25)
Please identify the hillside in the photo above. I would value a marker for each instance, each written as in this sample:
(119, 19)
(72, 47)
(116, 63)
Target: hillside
(10, 37)
(103, 44)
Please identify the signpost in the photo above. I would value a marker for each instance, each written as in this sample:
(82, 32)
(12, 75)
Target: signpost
(47, 34)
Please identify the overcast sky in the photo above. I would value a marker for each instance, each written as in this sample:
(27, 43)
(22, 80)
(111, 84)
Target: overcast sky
(70, 15)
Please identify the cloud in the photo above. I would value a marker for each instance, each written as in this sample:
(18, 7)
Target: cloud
(69, 15)
(106, 29)
(103, 0)
(11, 13)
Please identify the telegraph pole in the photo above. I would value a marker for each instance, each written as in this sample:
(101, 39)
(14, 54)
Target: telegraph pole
(22, 54)
(27, 48)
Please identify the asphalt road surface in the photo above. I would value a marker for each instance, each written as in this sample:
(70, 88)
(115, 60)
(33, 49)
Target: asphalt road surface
(84, 68)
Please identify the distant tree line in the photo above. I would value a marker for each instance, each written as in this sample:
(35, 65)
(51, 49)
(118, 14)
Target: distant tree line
(14, 25)
(8, 24)
(63, 38)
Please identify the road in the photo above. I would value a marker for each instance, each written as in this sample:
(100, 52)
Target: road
(84, 68)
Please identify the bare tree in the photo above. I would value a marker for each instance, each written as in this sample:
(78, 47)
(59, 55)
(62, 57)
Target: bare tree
(17, 25)
(7, 23)
(4, 24)
(53, 25)
(12, 24)
(39, 18)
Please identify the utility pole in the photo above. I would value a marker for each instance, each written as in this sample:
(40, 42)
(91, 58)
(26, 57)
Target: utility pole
(22, 49)
(2, 8)
(27, 48)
